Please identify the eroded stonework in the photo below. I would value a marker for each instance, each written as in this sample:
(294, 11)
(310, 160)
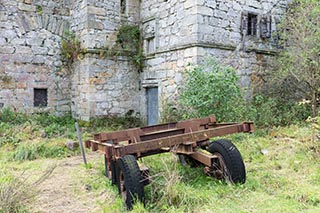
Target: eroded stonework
(174, 33)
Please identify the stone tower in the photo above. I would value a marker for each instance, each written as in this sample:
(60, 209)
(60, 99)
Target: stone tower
(174, 33)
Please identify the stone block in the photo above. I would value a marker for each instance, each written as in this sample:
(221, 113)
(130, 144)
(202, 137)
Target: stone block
(16, 41)
(190, 52)
(7, 49)
(37, 50)
(204, 11)
(22, 58)
(189, 3)
(38, 59)
(96, 10)
(3, 16)
(27, 1)
(21, 85)
(8, 34)
(27, 7)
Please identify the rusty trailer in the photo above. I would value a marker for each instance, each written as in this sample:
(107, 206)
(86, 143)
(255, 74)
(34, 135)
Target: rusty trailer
(189, 139)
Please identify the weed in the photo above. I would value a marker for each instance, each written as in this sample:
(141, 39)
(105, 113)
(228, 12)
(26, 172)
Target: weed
(15, 192)
(39, 9)
(8, 116)
(116, 122)
(128, 43)
(32, 151)
(70, 49)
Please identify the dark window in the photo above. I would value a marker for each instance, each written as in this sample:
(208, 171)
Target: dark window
(265, 26)
(123, 6)
(40, 98)
(252, 24)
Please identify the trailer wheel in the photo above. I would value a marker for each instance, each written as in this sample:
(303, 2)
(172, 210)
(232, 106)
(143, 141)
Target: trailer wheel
(229, 165)
(129, 180)
(113, 170)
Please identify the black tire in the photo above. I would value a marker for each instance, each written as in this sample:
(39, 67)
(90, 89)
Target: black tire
(187, 160)
(229, 163)
(113, 170)
(129, 180)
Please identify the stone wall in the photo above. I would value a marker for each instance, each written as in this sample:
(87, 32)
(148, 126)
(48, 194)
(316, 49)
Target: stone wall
(104, 87)
(178, 32)
(30, 39)
(174, 32)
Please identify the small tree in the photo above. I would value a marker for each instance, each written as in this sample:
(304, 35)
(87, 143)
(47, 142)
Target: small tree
(209, 89)
(300, 59)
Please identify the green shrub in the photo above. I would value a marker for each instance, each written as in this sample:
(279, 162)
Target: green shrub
(32, 151)
(271, 111)
(7, 115)
(211, 88)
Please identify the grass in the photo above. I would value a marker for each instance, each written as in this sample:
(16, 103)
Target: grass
(17, 191)
(282, 164)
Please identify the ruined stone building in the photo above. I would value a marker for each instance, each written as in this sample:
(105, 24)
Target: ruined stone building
(174, 32)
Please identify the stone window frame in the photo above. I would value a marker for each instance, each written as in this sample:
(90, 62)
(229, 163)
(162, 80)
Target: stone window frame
(150, 35)
(262, 28)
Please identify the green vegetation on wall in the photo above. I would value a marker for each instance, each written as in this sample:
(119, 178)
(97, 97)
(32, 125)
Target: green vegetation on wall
(128, 43)
(70, 49)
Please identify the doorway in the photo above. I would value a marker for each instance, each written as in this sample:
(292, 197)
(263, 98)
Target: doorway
(152, 105)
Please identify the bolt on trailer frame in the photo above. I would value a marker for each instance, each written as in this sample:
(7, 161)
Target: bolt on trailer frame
(187, 138)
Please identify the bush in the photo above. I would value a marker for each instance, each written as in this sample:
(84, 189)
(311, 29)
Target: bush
(10, 117)
(27, 151)
(211, 89)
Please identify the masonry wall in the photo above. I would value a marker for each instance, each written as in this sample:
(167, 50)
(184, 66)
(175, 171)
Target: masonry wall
(103, 85)
(174, 32)
(190, 30)
(29, 54)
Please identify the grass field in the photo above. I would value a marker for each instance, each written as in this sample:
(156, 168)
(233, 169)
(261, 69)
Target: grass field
(38, 174)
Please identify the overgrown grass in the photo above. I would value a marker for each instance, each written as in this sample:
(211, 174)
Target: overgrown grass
(17, 191)
(16, 127)
(282, 163)
(44, 135)
(32, 151)
(283, 179)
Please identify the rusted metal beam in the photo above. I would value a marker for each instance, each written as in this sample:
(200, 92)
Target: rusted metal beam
(178, 139)
(204, 158)
(156, 131)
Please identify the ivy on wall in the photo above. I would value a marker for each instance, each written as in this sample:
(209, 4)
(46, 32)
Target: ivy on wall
(128, 43)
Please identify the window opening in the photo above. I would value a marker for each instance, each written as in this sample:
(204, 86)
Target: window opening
(40, 98)
(123, 5)
(252, 24)
(150, 45)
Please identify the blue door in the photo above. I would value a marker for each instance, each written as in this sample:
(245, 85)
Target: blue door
(152, 105)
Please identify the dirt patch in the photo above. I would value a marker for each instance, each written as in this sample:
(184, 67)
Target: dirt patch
(64, 190)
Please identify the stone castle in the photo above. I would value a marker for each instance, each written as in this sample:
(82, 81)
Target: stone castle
(175, 33)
